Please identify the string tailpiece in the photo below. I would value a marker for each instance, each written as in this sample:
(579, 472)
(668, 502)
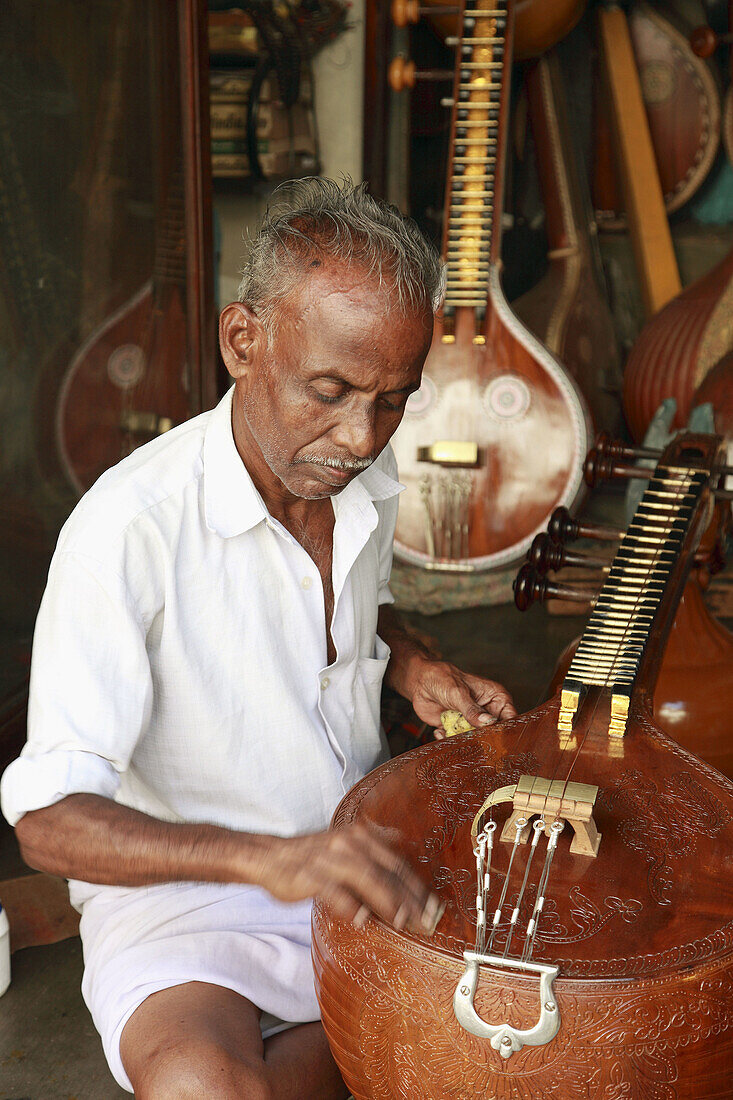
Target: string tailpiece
(503, 1037)
(552, 803)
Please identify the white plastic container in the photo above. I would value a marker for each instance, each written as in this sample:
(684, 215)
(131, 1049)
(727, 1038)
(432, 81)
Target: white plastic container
(4, 951)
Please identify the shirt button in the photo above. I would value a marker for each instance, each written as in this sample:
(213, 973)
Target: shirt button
(306, 582)
(325, 682)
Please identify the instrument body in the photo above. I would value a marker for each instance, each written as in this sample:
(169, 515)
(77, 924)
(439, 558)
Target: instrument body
(643, 934)
(134, 362)
(682, 106)
(639, 928)
(136, 373)
(539, 24)
(488, 383)
(675, 350)
(513, 399)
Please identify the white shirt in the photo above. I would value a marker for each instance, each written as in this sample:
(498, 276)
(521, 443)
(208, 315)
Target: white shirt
(179, 660)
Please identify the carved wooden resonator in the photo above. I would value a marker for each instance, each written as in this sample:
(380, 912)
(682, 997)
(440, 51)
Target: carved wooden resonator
(586, 865)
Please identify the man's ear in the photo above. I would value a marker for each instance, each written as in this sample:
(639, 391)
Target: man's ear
(242, 338)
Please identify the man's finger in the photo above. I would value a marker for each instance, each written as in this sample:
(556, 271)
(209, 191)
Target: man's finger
(486, 711)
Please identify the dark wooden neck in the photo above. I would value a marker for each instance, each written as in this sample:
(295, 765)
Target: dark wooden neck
(170, 250)
(622, 646)
(568, 214)
(471, 236)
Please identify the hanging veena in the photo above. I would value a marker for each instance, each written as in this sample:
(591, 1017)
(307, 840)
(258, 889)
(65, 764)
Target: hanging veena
(495, 438)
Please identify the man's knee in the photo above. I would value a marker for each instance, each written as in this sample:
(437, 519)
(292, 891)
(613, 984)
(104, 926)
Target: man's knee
(198, 1070)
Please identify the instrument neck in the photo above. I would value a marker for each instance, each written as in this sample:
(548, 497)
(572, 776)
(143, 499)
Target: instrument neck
(472, 223)
(622, 646)
(170, 251)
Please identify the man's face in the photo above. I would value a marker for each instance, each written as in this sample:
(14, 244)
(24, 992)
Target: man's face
(323, 396)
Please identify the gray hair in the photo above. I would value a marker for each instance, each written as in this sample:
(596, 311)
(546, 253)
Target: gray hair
(313, 220)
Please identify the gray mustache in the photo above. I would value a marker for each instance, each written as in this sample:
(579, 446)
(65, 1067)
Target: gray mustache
(340, 463)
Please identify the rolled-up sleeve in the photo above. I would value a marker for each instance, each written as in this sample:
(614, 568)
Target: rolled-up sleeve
(90, 691)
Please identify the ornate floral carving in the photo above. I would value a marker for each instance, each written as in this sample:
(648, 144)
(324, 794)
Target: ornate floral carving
(617, 1039)
(646, 818)
(586, 918)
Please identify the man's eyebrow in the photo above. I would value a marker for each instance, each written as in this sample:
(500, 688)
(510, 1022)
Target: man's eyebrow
(332, 377)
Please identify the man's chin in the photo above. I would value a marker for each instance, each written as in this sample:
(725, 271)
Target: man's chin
(316, 482)
(311, 486)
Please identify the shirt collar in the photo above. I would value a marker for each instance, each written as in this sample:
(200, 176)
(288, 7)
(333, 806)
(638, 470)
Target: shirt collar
(232, 503)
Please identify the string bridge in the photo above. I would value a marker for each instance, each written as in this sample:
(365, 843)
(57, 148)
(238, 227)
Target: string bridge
(552, 800)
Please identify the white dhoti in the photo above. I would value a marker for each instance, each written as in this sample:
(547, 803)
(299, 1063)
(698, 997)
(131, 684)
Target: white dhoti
(140, 940)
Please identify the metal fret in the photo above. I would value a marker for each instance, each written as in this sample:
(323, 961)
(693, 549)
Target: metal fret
(612, 647)
(480, 85)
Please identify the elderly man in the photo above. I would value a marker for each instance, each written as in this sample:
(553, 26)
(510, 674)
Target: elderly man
(207, 671)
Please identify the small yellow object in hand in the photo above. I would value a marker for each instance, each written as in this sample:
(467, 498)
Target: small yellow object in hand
(453, 722)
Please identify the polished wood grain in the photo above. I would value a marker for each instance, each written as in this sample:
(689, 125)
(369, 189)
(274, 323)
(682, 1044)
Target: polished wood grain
(642, 933)
(675, 350)
(693, 697)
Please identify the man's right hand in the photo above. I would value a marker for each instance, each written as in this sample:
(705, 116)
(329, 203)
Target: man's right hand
(356, 873)
(88, 837)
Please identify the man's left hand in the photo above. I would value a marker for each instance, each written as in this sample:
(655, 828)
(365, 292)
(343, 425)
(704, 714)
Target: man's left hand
(441, 686)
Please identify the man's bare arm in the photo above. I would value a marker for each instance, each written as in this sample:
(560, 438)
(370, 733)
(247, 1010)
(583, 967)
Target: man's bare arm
(87, 837)
(433, 685)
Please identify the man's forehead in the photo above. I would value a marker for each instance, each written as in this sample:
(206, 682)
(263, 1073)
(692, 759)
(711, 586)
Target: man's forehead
(337, 287)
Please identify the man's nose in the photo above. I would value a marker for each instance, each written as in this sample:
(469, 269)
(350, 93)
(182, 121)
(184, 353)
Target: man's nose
(356, 432)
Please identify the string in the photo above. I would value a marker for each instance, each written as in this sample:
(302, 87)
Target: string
(481, 69)
(682, 482)
(678, 495)
(677, 486)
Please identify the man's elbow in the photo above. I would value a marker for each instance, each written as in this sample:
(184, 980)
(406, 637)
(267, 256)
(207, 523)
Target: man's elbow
(37, 839)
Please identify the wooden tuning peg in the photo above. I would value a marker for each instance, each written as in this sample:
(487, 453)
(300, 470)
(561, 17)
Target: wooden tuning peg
(600, 467)
(615, 448)
(409, 11)
(529, 587)
(563, 528)
(704, 41)
(546, 555)
(402, 74)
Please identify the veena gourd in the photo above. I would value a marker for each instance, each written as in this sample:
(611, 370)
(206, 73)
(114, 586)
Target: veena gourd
(586, 864)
